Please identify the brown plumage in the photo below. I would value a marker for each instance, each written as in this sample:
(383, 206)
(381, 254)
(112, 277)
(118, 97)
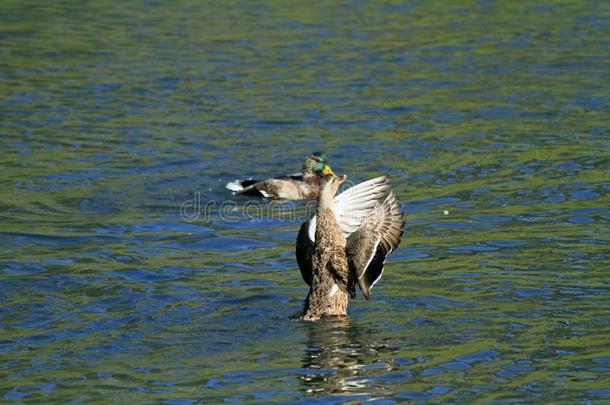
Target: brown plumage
(340, 257)
(329, 263)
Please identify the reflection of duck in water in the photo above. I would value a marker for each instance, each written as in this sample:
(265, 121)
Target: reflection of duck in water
(303, 186)
(346, 242)
(338, 353)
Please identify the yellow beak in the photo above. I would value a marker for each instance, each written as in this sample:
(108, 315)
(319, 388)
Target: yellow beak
(328, 170)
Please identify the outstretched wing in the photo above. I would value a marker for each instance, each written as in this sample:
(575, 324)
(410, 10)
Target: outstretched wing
(378, 235)
(350, 208)
(352, 205)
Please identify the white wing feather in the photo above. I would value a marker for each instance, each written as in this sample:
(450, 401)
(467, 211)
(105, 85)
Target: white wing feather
(353, 205)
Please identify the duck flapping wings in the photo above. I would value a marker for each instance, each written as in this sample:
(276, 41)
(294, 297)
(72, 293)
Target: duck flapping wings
(373, 231)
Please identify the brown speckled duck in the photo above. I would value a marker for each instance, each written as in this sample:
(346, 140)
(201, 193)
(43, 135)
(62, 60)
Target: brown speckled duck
(346, 243)
(303, 186)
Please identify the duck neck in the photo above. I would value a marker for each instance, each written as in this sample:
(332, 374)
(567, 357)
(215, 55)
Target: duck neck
(310, 176)
(325, 200)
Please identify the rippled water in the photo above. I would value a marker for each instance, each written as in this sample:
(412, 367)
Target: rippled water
(492, 119)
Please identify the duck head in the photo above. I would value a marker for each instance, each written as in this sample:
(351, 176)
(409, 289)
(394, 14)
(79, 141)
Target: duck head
(316, 163)
(328, 188)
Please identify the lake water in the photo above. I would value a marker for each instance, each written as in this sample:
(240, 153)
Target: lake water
(491, 117)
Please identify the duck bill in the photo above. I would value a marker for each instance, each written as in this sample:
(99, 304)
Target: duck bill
(328, 170)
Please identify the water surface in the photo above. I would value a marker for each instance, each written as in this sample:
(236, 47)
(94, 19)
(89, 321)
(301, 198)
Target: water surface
(491, 118)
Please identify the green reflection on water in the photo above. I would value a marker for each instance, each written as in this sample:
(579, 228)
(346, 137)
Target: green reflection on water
(113, 116)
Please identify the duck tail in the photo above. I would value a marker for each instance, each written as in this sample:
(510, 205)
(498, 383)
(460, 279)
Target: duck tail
(237, 186)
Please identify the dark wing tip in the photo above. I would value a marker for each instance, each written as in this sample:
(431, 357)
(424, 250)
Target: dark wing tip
(364, 287)
(365, 290)
(373, 271)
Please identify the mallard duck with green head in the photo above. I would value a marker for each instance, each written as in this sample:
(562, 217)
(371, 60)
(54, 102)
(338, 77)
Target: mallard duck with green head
(346, 243)
(300, 186)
